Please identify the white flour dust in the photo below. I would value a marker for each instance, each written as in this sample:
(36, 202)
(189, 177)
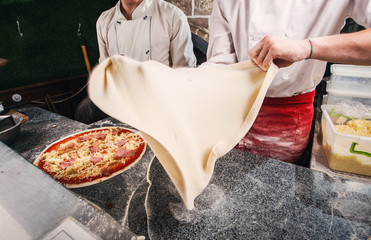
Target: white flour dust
(211, 199)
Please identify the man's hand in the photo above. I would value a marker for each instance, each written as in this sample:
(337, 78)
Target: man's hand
(283, 52)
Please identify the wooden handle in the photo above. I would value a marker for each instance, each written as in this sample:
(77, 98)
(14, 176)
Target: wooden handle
(86, 59)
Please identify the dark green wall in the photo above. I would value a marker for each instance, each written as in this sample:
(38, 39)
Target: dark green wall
(50, 48)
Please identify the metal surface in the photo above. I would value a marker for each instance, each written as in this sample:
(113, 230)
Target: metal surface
(10, 135)
(32, 204)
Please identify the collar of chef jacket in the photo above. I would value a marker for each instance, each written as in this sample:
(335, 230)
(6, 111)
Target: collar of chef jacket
(143, 9)
(140, 25)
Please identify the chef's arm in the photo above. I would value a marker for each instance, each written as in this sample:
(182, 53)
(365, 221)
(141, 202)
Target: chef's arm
(221, 47)
(102, 45)
(349, 48)
(181, 47)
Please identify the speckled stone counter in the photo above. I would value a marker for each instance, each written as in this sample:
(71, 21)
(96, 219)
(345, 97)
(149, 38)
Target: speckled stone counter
(42, 128)
(249, 196)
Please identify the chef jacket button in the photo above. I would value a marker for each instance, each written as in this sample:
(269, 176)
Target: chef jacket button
(118, 21)
(147, 52)
(145, 17)
(285, 76)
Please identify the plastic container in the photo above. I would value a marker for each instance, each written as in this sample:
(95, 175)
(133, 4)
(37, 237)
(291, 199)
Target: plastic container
(348, 83)
(350, 80)
(346, 153)
(335, 99)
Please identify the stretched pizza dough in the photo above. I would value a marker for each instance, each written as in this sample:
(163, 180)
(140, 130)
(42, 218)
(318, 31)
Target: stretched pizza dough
(189, 116)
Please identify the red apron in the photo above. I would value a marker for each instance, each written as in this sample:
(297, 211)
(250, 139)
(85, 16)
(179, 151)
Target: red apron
(281, 129)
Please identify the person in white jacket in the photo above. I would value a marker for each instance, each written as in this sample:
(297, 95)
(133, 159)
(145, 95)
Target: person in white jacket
(146, 30)
(142, 30)
(286, 32)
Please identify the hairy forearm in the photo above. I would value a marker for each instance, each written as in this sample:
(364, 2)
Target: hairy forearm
(350, 48)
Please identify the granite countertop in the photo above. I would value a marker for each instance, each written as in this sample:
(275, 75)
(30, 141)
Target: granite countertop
(249, 196)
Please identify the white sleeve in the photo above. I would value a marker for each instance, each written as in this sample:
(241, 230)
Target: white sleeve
(102, 45)
(360, 11)
(181, 46)
(221, 47)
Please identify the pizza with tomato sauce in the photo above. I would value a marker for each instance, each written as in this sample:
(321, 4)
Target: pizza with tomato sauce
(92, 156)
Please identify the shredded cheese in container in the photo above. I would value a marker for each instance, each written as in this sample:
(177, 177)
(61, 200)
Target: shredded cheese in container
(359, 127)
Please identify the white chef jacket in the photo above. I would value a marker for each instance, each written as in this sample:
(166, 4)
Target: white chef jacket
(237, 25)
(158, 31)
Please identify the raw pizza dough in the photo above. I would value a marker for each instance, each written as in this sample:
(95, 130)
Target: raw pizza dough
(189, 116)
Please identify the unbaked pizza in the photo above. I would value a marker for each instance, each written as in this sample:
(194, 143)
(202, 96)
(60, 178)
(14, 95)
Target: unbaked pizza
(91, 156)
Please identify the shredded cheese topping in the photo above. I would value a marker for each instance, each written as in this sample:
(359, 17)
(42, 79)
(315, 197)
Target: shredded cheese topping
(90, 154)
(359, 127)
